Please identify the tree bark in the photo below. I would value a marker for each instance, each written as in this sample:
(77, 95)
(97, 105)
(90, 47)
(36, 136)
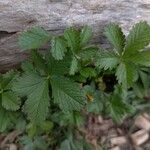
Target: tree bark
(56, 15)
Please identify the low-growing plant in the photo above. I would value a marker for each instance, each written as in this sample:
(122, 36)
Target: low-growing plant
(55, 89)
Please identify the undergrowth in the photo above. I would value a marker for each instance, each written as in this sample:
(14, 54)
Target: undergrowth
(48, 99)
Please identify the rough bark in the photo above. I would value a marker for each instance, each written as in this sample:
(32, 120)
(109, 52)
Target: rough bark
(55, 15)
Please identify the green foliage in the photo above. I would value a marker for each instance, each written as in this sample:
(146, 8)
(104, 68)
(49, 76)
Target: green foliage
(33, 38)
(128, 55)
(115, 35)
(117, 106)
(67, 94)
(49, 97)
(59, 47)
(138, 38)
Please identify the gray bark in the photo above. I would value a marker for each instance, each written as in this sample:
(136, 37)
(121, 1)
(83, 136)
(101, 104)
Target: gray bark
(55, 15)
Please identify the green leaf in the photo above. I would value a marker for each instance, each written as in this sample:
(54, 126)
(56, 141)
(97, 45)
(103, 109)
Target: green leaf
(10, 101)
(142, 58)
(73, 39)
(67, 94)
(4, 119)
(36, 89)
(8, 79)
(88, 53)
(85, 35)
(38, 61)
(118, 109)
(138, 38)
(117, 106)
(71, 143)
(34, 38)
(96, 106)
(37, 103)
(107, 60)
(126, 74)
(27, 83)
(88, 72)
(116, 37)
(58, 47)
(27, 66)
(74, 66)
(47, 126)
(145, 78)
(61, 67)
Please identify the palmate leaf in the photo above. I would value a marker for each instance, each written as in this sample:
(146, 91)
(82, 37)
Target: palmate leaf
(138, 38)
(36, 89)
(10, 101)
(59, 47)
(107, 60)
(85, 35)
(33, 38)
(116, 37)
(67, 94)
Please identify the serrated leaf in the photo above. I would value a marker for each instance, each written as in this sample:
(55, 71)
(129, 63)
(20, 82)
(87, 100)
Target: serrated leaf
(142, 58)
(10, 101)
(126, 74)
(116, 37)
(118, 109)
(73, 39)
(138, 38)
(88, 72)
(58, 47)
(7, 79)
(36, 89)
(39, 61)
(37, 103)
(74, 66)
(4, 119)
(67, 94)
(107, 60)
(27, 66)
(85, 35)
(27, 83)
(61, 67)
(88, 53)
(145, 78)
(34, 38)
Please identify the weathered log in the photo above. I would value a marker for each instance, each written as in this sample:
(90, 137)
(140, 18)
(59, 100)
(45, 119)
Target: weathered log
(55, 15)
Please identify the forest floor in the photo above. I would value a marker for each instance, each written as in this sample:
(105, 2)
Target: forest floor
(132, 134)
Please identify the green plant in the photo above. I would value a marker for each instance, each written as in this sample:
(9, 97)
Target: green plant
(54, 89)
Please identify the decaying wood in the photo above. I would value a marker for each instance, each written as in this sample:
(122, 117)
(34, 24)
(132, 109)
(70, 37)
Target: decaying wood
(55, 15)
